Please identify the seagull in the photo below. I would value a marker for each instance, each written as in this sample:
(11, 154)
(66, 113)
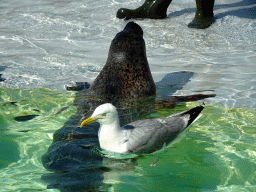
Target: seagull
(141, 136)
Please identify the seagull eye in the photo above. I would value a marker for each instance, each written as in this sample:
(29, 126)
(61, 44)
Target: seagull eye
(104, 114)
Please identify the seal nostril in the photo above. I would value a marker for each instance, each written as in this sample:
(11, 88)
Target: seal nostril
(120, 14)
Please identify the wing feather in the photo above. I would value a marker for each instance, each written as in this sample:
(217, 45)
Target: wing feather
(149, 135)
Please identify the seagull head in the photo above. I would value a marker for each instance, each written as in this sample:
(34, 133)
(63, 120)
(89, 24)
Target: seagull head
(104, 114)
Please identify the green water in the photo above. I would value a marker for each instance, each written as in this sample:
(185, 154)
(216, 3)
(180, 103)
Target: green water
(217, 154)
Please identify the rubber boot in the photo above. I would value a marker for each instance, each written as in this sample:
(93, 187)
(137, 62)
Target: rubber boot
(153, 9)
(204, 14)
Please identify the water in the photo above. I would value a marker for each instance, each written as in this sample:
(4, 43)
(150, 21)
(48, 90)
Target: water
(45, 45)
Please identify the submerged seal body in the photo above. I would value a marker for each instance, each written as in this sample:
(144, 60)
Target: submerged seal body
(125, 78)
(126, 74)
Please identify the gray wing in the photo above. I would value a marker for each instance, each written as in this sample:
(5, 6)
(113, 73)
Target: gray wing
(149, 135)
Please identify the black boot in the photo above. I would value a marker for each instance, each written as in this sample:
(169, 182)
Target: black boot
(153, 9)
(204, 14)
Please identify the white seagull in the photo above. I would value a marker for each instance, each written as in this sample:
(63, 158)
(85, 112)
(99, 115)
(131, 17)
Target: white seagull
(141, 136)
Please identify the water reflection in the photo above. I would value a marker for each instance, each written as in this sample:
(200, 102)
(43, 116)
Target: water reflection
(92, 177)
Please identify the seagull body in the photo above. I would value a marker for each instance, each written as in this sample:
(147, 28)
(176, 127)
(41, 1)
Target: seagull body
(141, 136)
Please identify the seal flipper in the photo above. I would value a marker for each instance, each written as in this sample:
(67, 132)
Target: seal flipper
(1, 79)
(79, 86)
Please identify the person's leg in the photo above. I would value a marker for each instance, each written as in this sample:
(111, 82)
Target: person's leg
(153, 9)
(204, 16)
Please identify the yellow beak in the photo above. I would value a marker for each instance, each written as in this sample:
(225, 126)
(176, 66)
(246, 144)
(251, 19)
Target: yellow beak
(87, 121)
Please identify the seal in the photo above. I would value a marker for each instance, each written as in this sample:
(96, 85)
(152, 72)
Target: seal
(126, 74)
(125, 78)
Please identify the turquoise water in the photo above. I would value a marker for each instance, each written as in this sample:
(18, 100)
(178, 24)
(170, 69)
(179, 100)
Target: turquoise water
(217, 154)
(24, 143)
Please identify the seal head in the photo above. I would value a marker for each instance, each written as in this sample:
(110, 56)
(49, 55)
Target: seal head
(126, 74)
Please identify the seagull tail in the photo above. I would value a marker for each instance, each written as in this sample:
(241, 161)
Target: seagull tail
(194, 114)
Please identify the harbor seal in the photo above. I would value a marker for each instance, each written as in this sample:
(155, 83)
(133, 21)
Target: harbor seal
(126, 74)
(125, 78)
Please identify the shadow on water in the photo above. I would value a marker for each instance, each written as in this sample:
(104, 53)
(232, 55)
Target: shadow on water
(242, 12)
(74, 156)
(172, 82)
